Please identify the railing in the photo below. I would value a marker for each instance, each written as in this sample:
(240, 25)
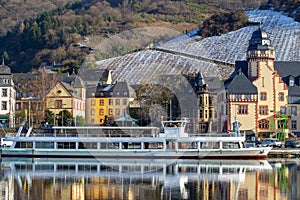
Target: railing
(231, 134)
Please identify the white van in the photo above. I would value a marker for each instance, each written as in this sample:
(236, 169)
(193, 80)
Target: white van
(6, 143)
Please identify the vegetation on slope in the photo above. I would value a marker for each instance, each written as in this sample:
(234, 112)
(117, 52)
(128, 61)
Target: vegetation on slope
(51, 36)
(223, 23)
(40, 32)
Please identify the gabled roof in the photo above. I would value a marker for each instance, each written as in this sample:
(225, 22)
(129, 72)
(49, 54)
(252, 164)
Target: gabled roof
(240, 84)
(287, 68)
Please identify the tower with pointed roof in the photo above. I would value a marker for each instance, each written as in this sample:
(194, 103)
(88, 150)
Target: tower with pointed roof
(254, 94)
(7, 97)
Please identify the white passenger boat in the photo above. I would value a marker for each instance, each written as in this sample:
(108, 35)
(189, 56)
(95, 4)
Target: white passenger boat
(171, 142)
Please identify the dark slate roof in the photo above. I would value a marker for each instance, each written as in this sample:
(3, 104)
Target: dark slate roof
(256, 41)
(119, 89)
(243, 65)
(240, 84)
(287, 68)
(4, 69)
(294, 91)
(93, 76)
(214, 84)
(290, 70)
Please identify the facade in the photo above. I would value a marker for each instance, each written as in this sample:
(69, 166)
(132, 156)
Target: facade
(108, 101)
(7, 97)
(31, 88)
(69, 94)
(255, 93)
(206, 91)
(290, 73)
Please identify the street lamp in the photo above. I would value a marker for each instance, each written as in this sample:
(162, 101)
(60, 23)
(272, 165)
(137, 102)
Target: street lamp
(29, 109)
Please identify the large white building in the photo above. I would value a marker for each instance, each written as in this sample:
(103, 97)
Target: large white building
(7, 97)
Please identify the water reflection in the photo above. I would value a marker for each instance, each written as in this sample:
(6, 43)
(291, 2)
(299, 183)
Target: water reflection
(148, 179)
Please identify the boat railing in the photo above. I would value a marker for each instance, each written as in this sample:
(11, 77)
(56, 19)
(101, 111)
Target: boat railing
(231, 134)
(89, 135)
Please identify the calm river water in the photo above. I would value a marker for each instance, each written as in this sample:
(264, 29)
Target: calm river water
(79, 179)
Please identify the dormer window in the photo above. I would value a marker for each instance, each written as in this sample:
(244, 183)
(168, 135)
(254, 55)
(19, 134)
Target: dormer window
(292, 81)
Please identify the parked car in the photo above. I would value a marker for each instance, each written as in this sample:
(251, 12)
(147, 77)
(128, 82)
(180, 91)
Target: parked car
(292, 144)
(5, 143)
(258, 143)
(271, 142)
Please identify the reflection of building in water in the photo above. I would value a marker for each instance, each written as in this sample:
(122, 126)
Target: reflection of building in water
(78, 191)
(137, 179)
(7, 187)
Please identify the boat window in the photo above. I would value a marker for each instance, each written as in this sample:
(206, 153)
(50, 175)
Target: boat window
(87, 145)
(66, 145)
(65, 167)
(44, 145)
(153, 145)
(230, 145)
(131, 145)
(188, 145)
(23, 145)
(210, 145)
(109, 145)
(44, 168)
(87, 168)
(23, 167)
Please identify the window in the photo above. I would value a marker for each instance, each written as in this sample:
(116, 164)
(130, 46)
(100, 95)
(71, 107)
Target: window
(110, 111)
(110, 102)
(292, 82)
(243, 109)
(4, 105)
(263, 110)
(293, 124)
(247, 97)
(117, 111)
(101, 112)
(263, 96)
(294, 110)
(281, 96)
(201, 100)
(263, 124)
(4, 92)
(93, 102)
(58, 103)
(101, 102)
(201, 114)
(18, 106)
(282, 110)
(117, 101)
(92, 111)
(124, 101)
(238, 97)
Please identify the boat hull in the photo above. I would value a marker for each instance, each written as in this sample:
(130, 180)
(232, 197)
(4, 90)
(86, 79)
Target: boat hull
(244, 153)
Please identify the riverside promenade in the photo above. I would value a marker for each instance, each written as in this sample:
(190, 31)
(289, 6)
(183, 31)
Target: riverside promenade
(284, 153)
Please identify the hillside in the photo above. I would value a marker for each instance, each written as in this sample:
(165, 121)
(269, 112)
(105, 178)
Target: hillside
(40, 32)
(51, 36)
(214, 56)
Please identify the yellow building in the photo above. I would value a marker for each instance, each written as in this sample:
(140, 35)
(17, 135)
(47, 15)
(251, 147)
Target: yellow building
(255, 93)
(69, 95)
(108, 102)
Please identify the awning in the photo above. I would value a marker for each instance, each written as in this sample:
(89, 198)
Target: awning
(4, 117)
